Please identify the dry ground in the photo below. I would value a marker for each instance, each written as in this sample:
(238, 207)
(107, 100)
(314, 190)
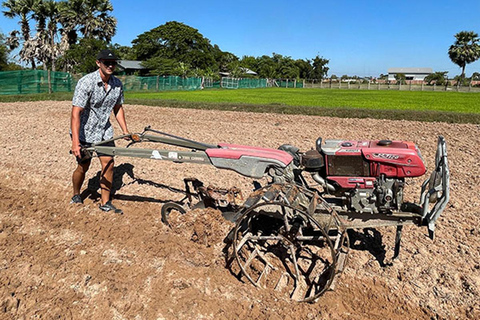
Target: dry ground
(61, 261)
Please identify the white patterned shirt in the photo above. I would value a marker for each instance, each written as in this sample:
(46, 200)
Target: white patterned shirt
(98, 103)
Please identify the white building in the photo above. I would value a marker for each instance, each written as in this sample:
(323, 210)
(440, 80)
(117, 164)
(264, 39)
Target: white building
(411, 74)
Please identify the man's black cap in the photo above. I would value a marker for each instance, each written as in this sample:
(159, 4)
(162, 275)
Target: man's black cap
(106, 54)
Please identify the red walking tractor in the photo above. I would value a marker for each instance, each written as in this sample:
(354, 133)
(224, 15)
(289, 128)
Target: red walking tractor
(290, 235)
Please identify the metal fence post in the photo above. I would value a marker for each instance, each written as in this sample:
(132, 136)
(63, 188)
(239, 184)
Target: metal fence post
(49, 80)
(37, 81)
(19, 82)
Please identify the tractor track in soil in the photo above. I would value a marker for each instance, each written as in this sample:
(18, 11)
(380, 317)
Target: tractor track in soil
(75, 262)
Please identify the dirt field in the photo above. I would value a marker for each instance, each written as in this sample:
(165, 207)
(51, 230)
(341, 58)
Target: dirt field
(61, 261)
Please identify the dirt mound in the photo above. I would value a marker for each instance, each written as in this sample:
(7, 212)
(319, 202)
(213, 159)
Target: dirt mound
(61, 261)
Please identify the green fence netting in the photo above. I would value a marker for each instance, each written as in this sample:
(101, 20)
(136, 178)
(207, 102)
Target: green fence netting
(37, 81)
(289, 84)
(252, 83)
(34, 81)
(236, 83)
(157, 83)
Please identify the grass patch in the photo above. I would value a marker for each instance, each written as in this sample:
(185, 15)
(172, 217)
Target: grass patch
(425, 116)
(452, 107)
(57, 96)
(329, 98)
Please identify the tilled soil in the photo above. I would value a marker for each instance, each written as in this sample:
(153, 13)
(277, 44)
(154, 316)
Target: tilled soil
(62, 261)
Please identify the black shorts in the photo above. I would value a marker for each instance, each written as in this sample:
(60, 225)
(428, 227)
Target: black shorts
(86, 156)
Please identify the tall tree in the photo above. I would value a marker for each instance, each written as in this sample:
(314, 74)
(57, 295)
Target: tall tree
(224, 59)
(91, 20)
(4, 51)
(267, 67)
(320, 69)
(465, 50)
(23, 9)
(305, 68)
(89, 17)
(249, 62)
(47, 14)
(177, 41)
(287, 68)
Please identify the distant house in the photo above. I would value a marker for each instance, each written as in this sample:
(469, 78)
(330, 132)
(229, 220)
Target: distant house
(411, 74)
(129, 67)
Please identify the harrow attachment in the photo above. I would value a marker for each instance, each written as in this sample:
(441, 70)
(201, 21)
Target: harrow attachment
(279, 245)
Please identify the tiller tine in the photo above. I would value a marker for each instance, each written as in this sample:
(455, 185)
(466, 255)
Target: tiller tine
(436, 189)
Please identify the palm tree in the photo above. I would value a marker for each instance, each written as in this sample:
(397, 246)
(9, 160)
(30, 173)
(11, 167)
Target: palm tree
(97, 21)
(22, 9)
(465, 50)
(47, 45)
(89, 17)
(47, 14)
(40, 15)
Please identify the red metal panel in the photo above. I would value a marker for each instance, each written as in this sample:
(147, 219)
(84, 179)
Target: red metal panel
(396, 159)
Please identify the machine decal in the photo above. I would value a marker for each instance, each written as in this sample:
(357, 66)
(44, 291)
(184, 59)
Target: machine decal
(156, 155)
(172, 155)
(386, 156)
(188, 158)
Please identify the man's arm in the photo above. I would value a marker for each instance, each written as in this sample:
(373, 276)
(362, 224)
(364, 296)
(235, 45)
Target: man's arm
(120, 116)
(75, 126)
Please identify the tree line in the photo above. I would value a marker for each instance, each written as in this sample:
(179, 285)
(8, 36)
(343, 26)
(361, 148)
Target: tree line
(175, 48)
(66, 35)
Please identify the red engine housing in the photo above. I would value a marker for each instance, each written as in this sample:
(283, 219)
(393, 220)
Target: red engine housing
(359, 163)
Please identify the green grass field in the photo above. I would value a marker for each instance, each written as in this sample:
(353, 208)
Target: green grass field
(453, 107)
(360, 99)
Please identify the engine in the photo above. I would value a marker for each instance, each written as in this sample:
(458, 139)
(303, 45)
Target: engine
(363, 176)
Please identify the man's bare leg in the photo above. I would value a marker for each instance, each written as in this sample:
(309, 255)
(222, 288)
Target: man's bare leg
(106, 178)
(78, 176)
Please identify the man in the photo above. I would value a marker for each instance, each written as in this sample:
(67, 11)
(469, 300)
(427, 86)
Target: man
(96, 95)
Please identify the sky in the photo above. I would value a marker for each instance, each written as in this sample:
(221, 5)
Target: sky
(363, 38)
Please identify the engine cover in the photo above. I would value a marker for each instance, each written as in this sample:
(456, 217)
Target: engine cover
(396, 159)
